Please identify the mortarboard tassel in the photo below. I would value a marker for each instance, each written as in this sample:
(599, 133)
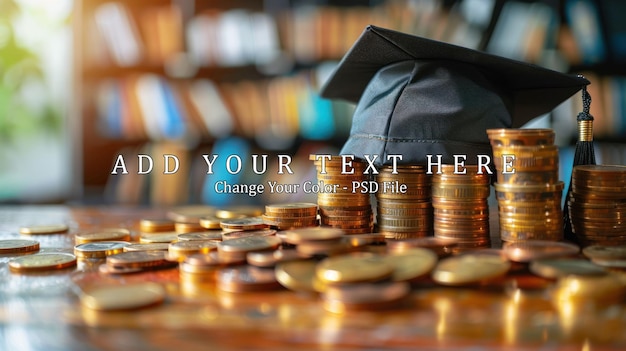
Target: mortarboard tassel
(584, 154)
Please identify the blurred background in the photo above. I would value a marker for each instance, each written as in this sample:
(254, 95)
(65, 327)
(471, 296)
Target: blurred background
(85, 81)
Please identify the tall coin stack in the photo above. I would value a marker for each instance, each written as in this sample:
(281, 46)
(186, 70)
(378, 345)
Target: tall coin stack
(461, 211)
(339, 206)
(527, 188)
(404, 214)
(597, 204)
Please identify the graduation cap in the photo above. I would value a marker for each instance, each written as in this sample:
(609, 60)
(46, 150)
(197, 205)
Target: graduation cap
(417, 96)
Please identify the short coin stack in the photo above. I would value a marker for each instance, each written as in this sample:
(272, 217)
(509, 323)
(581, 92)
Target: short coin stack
(291, 215)
(527, 188)
(403, 202)
(461, 211)
(339, 206)
(597, 204)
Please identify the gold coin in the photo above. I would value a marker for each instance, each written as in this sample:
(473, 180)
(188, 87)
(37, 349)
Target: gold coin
(152, 225)
(438, 245)
(604, 252)
(604, 289)
(188, 227)
(159, 237)
(297, 236)
(244, 245)
(210, 235)
(411, 264)
(247, 233)
(247, 223)
(360, 267)
(99, 249)
(123, 297)
(296, 275)
(272, 258)
(527, 251)
(211, 222)
(191, 247)
(469, 269)
(44, 229)
(191, 212)
(11, 246)
(324, 247)
(290, 221)
(246, 279)
(364, 296)
(113, 235)
(138, 259)
(293, 207)
(42, 261)
(562, 267)
(147, 247)
(238, 212)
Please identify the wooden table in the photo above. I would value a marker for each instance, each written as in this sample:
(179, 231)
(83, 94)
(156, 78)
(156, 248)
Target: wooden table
(42, 312)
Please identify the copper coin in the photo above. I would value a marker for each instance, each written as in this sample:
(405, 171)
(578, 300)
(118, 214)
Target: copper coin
(526, 251)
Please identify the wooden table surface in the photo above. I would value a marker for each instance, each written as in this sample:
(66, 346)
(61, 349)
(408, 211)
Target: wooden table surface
(42, 312)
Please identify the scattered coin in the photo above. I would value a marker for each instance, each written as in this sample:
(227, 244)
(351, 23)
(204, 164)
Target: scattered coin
(12, 246)
(147, 247)
(99, 249)
(246, 279)
(368, 296)
(44, 229)
(526, 251)
(352, 268)
(469, 269)
(210, 235)
(42, 261)
(139, 259)
(153, 225)
(411, 264)
(159, 237)
(561, 267)
(297, 275)
(123, 297)
(102, 235)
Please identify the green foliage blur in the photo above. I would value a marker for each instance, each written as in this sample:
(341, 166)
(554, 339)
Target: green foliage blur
(19, 66)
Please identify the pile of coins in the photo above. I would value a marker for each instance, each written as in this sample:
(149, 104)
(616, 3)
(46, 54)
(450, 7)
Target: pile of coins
(340, 206)
(291, 215)
(597, 204)
(527, 188)
(461, 211)
(403, 202)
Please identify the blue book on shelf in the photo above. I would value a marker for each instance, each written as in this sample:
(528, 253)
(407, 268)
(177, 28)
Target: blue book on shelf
(316, 116)
(584, 19)
(112, 109)
(173, 126)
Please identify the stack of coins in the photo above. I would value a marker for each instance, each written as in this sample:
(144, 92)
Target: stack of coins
(339, 205)
(403, 202)
(597, 204)
(291, 215)
(461, 211)
(527, 189)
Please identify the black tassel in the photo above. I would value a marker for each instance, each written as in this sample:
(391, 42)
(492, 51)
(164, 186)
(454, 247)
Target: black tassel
(584, 155)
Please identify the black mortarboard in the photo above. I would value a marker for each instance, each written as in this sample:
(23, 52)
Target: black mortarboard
(418, 96)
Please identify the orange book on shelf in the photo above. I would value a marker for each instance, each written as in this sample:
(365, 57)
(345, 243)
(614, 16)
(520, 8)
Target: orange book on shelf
(163, 32)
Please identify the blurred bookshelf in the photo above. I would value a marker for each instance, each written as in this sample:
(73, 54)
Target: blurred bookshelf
(192, 78)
